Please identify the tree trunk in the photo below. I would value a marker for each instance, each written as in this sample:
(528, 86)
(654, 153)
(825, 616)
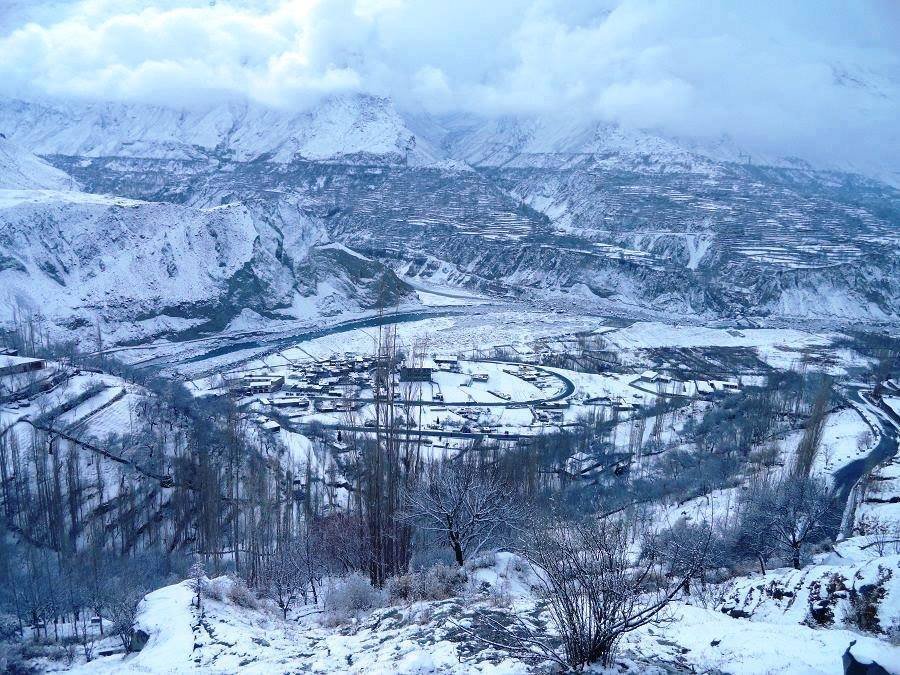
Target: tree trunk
(457, 550)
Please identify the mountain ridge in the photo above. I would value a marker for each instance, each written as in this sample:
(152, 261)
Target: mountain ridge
(599, 215)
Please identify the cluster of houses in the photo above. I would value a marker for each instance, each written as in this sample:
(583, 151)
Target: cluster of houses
(332, 377)
(330, 385)
(527, 373)
(701, 387)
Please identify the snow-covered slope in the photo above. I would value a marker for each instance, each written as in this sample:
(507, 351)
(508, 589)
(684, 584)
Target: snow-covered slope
(559, 143)
(338, 127)
(143, 268)
(609, 215)
(21, 170)
(431, 637)
(565, 141)
(76, 253)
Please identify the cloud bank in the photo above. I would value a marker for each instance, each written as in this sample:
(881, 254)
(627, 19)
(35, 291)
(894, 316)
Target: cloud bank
(808, 78)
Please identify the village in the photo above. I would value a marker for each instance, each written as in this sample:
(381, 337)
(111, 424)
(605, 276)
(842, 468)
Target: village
(444, 399)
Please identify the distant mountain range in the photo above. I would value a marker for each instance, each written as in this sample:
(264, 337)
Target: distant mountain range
(205, 214)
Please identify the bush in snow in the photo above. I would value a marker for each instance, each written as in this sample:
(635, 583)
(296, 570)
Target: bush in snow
(215, 589)
(500, 594)
(597, 590)
(14, 660)
(438, 582)
(893, 634)
(9, 627)
(482, 561)
(240, 594)
(350, 598)
(862, 604)
(233, 589)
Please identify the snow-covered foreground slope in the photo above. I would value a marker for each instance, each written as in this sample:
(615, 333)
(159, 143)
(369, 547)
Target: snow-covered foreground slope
(820, 594)
(432, 637)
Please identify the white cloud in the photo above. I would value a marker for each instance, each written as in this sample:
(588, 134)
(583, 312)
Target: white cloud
(780, 76)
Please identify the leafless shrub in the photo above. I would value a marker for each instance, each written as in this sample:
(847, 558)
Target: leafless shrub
(282, 578)
(240, 594)
(596, 587)
(215, 589)
(123, 612)
(350, 598)
(480, 561)
(883, 536)
(438, 582)
(862, 604)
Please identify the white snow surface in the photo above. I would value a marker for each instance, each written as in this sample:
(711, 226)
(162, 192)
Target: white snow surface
(645, 335)
(343, 125)
(21, 170)
(76, 253)
(416, 639)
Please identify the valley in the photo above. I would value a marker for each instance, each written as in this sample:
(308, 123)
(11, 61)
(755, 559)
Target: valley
(353, 389)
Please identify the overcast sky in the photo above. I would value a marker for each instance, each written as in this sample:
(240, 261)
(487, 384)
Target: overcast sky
(793, 77)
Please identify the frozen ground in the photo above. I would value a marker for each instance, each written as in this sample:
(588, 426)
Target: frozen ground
(426, 637)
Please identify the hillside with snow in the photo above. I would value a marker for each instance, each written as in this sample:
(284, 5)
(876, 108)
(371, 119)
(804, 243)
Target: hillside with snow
(436, 636)
(137, 269)
(343, 126)
(22, 170)
(520, 206)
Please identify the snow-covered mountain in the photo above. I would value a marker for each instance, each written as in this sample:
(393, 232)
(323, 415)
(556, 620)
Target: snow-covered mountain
(526, 207)
(142, 269)
(22, 170)
(341, 126)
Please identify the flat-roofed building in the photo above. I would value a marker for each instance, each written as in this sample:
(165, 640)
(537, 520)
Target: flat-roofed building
(15, 365)
(415, 374)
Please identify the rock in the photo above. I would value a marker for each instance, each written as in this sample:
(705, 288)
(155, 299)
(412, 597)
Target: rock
(853, 666)
(138, 640)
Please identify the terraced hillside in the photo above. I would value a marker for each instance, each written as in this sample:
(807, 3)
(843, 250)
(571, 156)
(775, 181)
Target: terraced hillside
(603, 218)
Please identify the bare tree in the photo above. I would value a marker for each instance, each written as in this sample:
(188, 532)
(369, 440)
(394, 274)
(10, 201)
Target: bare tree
(283, 578)
(197, 574)
(597, 589)
(123, 611)
(342, 541)
(794, 512)
(463, 504)
(750, 536)
(812, 435)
